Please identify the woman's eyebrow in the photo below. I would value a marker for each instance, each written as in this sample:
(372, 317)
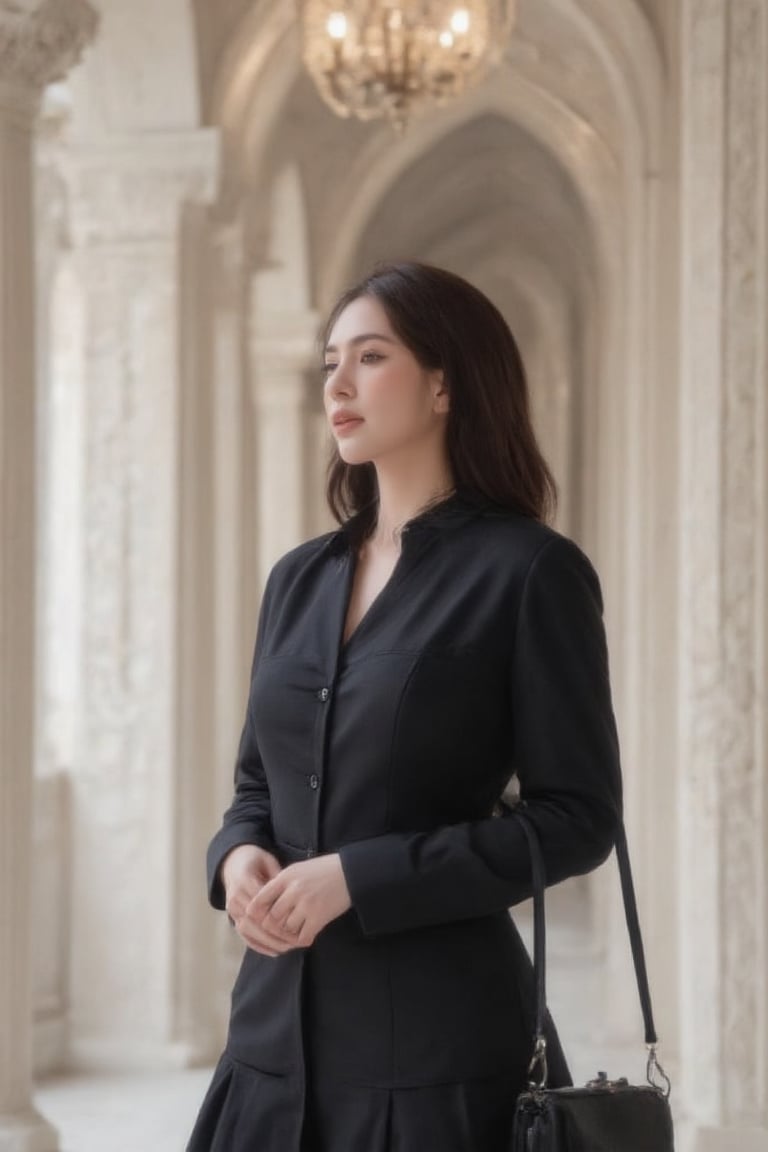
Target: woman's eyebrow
(361, 339)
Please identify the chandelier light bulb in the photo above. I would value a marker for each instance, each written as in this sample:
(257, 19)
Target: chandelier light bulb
(460, 21)
(391, 59)
(337, 25)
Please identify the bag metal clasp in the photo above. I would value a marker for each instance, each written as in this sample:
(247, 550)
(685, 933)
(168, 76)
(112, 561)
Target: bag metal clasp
(539, 1059)
(655, 1074)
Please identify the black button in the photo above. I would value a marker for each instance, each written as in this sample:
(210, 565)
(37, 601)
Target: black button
(323, 694)
(310, 853)
(314, 781)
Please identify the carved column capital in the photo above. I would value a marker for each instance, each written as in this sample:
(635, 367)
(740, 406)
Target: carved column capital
(41, 42)
(129, 189)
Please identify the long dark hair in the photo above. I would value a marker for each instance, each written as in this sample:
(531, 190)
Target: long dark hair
(449, 324)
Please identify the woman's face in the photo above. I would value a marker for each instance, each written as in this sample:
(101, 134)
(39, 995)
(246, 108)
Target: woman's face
(380, 402)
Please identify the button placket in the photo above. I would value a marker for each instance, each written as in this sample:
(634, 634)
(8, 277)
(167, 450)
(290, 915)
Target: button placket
(323, 694)
(313, 781)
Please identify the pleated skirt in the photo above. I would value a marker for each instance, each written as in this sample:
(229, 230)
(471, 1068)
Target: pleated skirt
(246, 1110)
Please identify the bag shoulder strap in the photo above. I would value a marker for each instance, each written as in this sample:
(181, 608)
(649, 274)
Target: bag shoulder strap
(539, 944)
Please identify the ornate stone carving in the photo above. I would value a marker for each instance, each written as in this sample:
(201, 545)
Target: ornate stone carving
(133, 187)
(39, 45)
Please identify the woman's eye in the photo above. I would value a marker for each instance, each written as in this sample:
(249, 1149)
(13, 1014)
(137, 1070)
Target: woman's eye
(365, 358)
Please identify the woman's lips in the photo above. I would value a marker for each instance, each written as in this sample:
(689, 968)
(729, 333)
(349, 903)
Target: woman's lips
(346, 425)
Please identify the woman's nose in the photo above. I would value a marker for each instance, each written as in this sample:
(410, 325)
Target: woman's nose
(340, 382)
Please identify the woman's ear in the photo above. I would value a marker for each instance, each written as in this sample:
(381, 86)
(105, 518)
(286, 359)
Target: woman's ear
(441, 399)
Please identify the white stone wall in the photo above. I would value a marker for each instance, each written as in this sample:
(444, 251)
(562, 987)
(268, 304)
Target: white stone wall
(723, 765)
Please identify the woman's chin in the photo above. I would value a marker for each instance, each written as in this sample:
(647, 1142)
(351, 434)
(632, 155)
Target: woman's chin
(351, 454)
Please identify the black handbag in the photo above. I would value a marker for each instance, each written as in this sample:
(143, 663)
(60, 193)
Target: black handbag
(605, 1115)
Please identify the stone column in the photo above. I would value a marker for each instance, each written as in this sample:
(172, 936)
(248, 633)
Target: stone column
(234, 609)
(284, 351)
(723, 554)
(131, 783)
(236, 591)
(38, 43)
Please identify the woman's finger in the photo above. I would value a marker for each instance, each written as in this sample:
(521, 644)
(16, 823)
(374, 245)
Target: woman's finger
(306, 936)
(240, 895)
(262, 941)
(276, 914)
(255, 940)
(262, 921)
(293, 925)
(272, 915)
(269, 892)
(237, 906)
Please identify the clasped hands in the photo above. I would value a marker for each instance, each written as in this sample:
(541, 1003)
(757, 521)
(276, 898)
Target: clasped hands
(276, 909)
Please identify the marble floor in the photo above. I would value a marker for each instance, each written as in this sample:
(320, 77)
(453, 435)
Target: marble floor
(136, 1113)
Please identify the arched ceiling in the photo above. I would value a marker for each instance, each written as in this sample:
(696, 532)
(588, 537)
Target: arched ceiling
(578, 52)
(486, 185)
(572, 80)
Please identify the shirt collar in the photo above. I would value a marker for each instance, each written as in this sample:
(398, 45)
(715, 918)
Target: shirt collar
(453, 511)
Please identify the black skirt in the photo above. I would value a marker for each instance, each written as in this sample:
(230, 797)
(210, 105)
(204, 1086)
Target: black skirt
(249, 1111)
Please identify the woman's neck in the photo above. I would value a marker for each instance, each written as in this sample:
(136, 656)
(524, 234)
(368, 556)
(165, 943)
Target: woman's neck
(401, 498)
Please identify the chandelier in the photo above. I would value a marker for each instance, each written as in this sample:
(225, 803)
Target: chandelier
(392, 58)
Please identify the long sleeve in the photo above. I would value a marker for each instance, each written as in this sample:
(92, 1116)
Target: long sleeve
(565, 754)
(248, 819)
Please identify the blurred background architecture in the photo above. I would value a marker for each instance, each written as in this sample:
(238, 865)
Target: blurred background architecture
(178, 208)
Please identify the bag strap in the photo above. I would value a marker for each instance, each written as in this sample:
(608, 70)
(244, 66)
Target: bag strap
(539, 951)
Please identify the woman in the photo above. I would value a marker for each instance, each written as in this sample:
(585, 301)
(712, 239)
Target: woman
(406, 666)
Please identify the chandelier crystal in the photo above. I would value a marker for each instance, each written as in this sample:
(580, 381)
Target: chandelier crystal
(393, 58)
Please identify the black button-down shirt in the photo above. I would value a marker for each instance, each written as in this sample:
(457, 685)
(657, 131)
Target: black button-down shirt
(484, 655)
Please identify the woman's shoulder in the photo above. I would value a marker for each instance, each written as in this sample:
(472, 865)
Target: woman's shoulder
(533, 542)
(541, 562)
